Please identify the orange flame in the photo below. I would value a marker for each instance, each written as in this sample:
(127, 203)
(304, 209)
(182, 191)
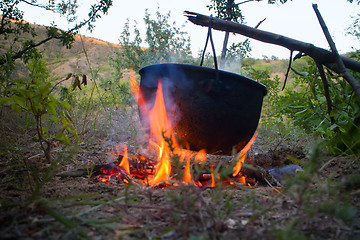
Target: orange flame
(187, 179)
(212, 177)
(242, 180)
(201, 156)
(136, 92)
(158, 117)
(159, 126)
(134, 86)
(163, 168)
(242, 155)
(124, 164)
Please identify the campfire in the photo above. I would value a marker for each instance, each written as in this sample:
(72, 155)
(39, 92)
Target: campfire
(167, 160)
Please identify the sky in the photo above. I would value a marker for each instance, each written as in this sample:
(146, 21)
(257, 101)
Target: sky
(295, 19)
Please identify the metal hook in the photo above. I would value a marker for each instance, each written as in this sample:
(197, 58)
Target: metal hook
(209, 36)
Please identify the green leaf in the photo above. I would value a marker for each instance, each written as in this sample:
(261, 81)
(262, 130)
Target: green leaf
(300, 112)
(332, 127)
(55, 119)
(65, 125)
(51, 108)
(16, 108)
(67, 115)
(60, 136)
(44, 90)
(343, 130)
(69, 76)
(19, 100)
(73, 131)
(5, 100)
(65, 105)
(303, 74)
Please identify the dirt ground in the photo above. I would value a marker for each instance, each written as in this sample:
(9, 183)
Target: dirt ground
(84, 207)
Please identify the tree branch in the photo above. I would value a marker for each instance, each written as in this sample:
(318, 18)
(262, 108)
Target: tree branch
(338, 60)
(92, 16)
(19, 54)
(226, 38)
(38, 5)
(320, 55)
(257, 25)
(288, 70)
(326, 91)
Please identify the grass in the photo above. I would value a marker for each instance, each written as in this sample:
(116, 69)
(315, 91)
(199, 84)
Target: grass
(315, 204)
(320, 203)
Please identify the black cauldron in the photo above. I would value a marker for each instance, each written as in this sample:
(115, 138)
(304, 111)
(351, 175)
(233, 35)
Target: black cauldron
(214, 110)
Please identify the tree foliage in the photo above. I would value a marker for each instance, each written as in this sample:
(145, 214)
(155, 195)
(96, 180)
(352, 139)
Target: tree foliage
(230, 10)
(303, 103)
(13, 26)
(163, 42)
(25, 83)
(357, 1)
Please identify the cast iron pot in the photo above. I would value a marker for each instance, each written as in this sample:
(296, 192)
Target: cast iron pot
(214, 110)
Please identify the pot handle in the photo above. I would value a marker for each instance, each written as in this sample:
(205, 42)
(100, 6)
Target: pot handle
(209, 36)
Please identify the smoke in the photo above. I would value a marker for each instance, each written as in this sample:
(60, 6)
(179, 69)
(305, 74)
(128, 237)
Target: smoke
(234, 65)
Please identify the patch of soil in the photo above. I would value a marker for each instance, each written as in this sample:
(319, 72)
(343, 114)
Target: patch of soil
(82, 206)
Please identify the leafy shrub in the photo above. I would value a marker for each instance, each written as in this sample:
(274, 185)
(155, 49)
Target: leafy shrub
(304, 104)
(34, 95)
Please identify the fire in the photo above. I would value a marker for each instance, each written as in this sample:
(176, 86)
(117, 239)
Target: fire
(187, 173)
(242, 155)
(158, 127)
(212, 177)
(187, 179)
(136, 93)
(163, 168)
(163, 141)
(124, 164)
(201, 156)
(122, 169)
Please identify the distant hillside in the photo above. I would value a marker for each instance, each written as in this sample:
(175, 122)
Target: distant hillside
(63, 61)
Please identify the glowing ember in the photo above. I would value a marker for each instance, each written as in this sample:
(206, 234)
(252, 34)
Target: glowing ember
(114, 170)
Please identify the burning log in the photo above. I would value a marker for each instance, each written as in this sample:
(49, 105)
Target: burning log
(142, 168)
